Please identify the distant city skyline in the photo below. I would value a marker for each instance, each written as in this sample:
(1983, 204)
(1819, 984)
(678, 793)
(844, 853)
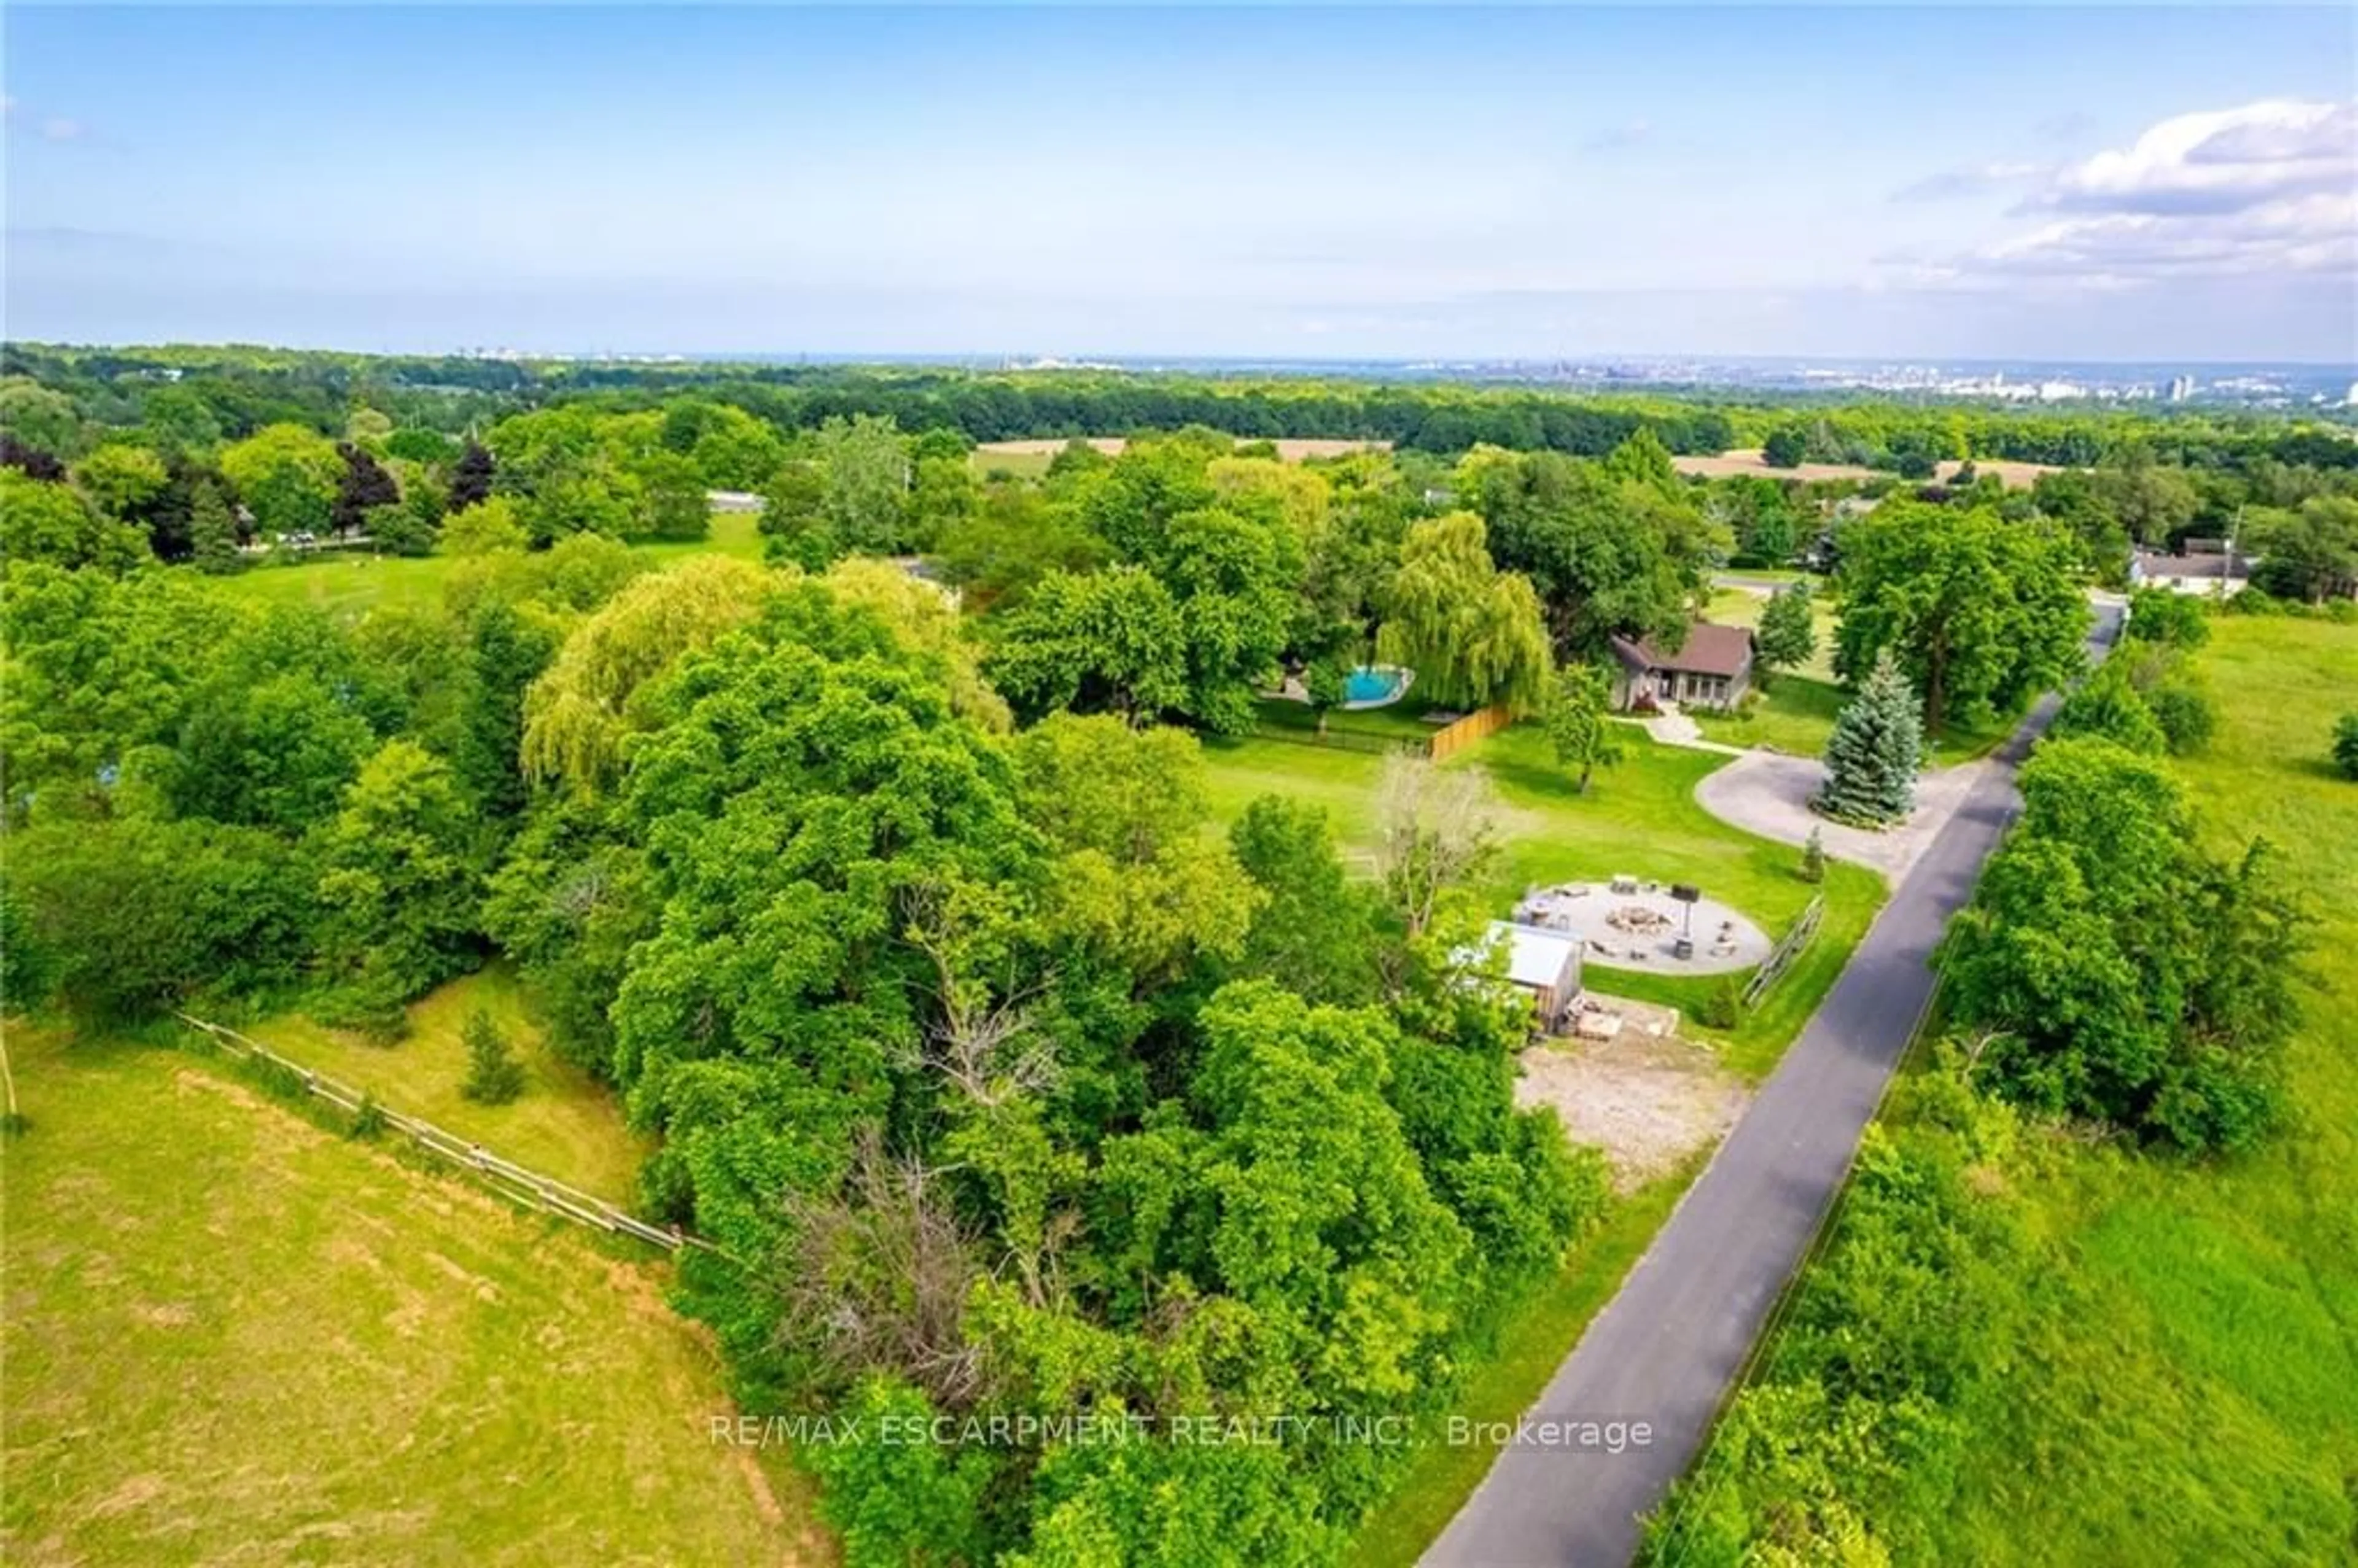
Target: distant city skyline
(1891, 184)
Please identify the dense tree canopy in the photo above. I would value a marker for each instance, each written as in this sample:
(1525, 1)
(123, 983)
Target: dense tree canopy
(2125, 973)
(1980, 614)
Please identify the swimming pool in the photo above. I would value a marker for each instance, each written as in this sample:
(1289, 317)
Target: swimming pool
(1373, 686)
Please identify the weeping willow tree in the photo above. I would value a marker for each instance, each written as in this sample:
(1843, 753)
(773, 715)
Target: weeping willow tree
(1473, 634)
(577, 713)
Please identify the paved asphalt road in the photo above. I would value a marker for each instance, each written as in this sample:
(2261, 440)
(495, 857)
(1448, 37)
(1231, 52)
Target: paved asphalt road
(1667, 1348)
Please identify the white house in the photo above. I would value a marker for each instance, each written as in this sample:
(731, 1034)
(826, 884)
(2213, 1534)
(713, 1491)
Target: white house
(2218, 573)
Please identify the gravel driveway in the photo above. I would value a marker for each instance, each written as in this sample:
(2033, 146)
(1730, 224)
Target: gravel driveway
(1769, 793)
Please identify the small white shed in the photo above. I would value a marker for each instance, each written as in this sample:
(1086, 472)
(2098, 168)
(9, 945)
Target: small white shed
(1545, 964)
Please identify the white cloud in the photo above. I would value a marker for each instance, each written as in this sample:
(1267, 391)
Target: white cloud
(2225, 161)
(2265, 192)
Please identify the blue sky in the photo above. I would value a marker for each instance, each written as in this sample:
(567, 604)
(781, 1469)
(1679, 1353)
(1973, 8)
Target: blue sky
(1311, 182)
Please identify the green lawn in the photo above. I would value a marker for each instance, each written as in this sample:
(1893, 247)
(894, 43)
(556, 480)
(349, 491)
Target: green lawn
(234, 1336)
(2193, 1395)
(1640, 817)
(1733, 607)
(565, 1124)
(1402, 720)
(345, 583)
(1794, 715)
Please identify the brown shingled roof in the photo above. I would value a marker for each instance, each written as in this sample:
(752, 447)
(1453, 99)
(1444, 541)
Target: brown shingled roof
(1709, 650)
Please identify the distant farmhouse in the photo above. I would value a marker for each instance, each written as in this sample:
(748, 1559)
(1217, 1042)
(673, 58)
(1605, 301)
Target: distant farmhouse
(2206, 567)
(1713, 668)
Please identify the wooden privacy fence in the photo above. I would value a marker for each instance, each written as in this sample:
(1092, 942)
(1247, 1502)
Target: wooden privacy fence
(511, 1180)
(1788, 947)
(1479, 725)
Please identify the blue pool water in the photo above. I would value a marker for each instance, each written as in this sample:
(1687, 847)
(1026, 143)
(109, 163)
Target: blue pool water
(1366, 685)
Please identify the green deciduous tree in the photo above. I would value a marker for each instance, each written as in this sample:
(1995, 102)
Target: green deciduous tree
(2172, 619)
(494, 1077)
(399, 877)
(1579, 726)
(1788, 636)
(287, 476)
(2345, 745)
(1109, 641)
(52, 523)
(2123, 972)
(577, 715)
(120, 480)
(134, 915)
(1874, 753)
(1982, 615)
(2107, 704)
(2310, 553)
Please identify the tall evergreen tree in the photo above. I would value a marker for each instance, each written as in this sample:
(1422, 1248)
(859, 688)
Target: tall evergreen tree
(1872, 756)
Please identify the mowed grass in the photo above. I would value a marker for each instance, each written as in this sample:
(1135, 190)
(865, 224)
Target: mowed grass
(2191, 1393)
(234, 1337)
(348, 585)
(1639, 816)
(566, 1124)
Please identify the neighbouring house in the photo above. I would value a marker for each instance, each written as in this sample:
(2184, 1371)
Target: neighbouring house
(1542, 964)
(2217, 571)
(1713, 668)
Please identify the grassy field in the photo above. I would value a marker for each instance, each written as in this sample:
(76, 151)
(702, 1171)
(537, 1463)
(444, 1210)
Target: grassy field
(234, 1336)
(348, 584)
(1640, 817)
(2194, 1396)
(565, 1124)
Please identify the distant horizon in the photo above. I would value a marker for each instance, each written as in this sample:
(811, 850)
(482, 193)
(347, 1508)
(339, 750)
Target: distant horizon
(1898, 184)
(1048, 360)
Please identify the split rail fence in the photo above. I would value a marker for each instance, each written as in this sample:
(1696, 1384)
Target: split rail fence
(1789, 947)
(509, 1179)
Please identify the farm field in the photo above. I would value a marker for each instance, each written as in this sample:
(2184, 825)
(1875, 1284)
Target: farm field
(565, 1124)
(1640, 817)
(1291, 449)
(1749, 460)
(234, 1335)
(347, 584)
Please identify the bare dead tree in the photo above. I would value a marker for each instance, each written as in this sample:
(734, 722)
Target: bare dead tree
(981, 1036)
(1438, 828)
(877, 1276)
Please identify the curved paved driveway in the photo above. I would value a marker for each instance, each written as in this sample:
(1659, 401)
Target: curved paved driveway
(1769, 793)
(1668, 1345)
